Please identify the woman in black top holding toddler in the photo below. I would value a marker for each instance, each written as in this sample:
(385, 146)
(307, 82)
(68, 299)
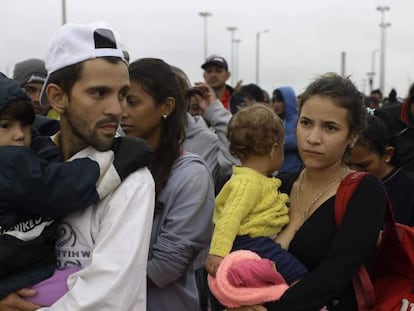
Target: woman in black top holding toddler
(331, 119)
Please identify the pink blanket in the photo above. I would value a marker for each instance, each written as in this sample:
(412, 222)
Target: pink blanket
(244, 278)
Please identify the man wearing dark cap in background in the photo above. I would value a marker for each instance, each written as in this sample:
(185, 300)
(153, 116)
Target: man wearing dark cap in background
(216, 73)
(31, 75)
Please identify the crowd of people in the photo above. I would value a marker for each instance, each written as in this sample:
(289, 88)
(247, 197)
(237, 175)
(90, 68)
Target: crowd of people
(125, 186)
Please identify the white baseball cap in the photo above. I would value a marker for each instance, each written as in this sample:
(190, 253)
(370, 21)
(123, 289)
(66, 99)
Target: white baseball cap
(75, 43)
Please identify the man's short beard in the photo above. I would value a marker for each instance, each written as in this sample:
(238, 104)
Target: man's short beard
(91, 140)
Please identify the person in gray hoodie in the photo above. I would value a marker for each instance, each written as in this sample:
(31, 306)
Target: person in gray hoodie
(199, 139)
(205, 142)
(205, 133)
(217, 118)
(284, 103)
(182, 226)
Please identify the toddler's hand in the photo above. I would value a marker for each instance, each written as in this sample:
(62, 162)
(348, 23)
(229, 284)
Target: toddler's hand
(15, 302)
(212, 264)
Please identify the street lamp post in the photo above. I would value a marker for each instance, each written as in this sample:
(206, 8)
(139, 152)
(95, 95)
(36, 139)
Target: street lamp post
(205, 15)
(258, 53)
(236, 59)
(343, 64)
(63, 12)
(232, 29)
(371, 74)
(383, 26)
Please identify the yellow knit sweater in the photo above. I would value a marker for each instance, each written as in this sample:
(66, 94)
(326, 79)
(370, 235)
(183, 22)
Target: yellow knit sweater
(249, 204)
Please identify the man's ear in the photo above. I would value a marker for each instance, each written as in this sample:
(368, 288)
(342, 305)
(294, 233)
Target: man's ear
(57, 97)
(228, 74)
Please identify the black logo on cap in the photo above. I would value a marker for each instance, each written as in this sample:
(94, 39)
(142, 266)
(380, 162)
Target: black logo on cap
(104, 38)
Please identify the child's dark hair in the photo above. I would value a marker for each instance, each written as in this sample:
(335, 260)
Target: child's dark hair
(253, 130)
(19, 110)
(15, 104)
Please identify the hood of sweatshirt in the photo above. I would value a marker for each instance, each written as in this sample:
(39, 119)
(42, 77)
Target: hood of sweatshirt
(292, 161)
(290, 101)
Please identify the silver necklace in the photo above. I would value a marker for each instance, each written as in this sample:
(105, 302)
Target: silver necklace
(305, 212)
(392, 176)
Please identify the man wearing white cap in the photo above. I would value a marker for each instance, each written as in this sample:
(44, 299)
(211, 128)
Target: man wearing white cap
(87, 83)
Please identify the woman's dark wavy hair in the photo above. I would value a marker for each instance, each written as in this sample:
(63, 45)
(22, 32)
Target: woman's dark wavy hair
(377, 137)
(386, 129)
(158, 79)
(344, 94)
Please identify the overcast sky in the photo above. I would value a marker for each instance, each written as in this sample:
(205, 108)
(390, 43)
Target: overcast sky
(305, 38)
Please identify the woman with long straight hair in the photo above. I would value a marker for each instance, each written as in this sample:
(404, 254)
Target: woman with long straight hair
(182, 226)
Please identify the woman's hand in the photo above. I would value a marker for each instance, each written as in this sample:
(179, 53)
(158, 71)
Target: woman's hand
(15, 302)
(212, 264)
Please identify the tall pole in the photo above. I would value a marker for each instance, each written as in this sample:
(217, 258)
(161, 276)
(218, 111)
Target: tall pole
(343, 64)
(63, 12)
(371, 74)
(236, 60)
(383, 27)
(205, 15)
(258, 53)
(232, 29)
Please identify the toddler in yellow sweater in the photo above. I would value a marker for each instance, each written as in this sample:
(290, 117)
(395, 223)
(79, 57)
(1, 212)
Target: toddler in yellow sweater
(250, 211)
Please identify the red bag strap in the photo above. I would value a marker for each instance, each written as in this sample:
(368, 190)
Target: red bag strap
(344, 194)
(364, 290)
(389, 221)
